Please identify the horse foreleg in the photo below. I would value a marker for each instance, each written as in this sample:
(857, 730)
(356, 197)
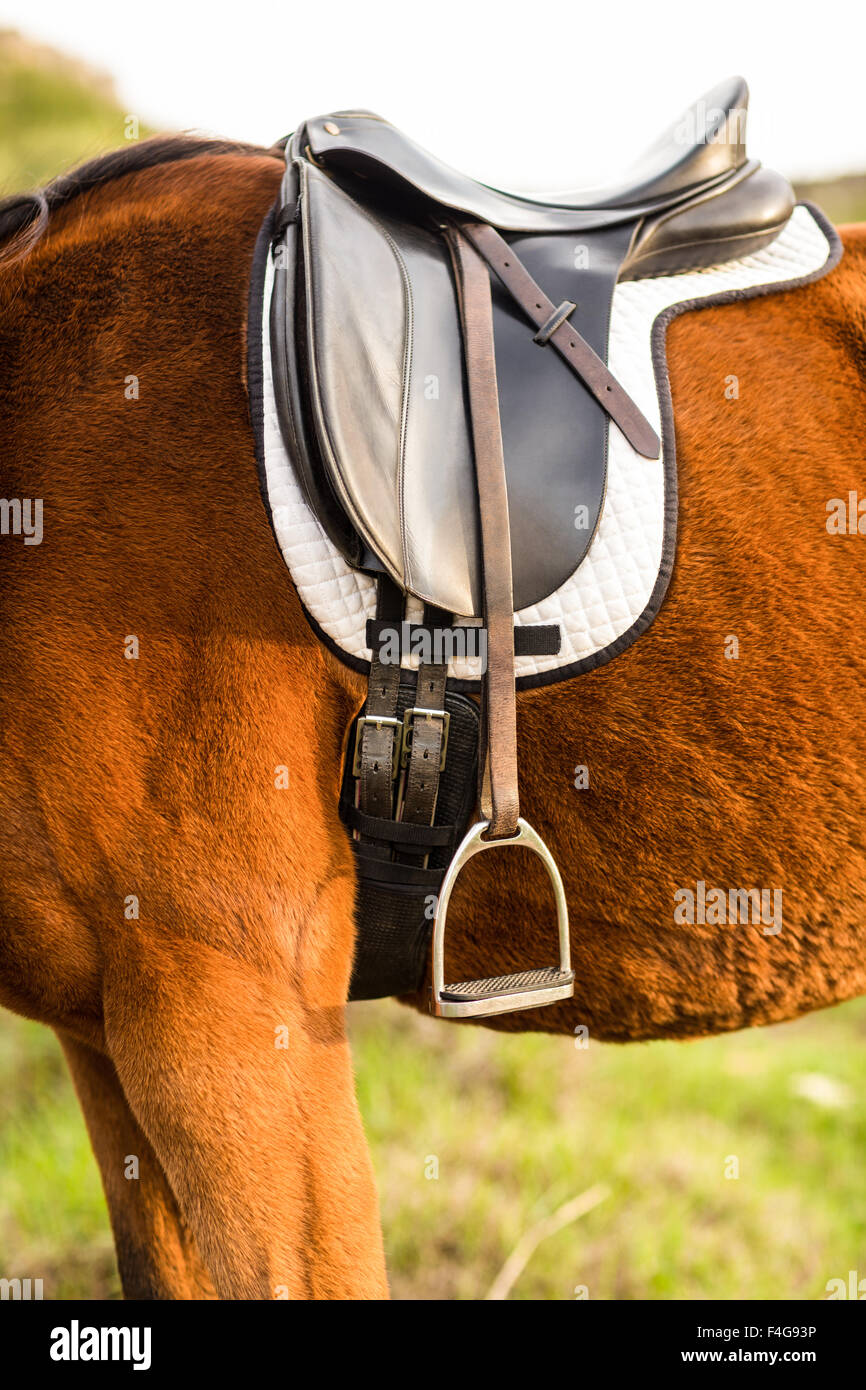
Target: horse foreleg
(156, 1252)
(244, 1087)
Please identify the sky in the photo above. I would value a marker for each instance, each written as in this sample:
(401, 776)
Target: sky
(549, 95)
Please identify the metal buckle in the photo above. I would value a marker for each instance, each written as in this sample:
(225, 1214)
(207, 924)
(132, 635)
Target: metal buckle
(409, 718)
(500, 994)
(381, 722)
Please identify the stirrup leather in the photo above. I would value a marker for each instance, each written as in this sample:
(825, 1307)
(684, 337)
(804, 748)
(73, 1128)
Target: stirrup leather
(500, 994)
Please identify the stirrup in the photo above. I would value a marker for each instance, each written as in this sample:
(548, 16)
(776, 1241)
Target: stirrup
(500, 994)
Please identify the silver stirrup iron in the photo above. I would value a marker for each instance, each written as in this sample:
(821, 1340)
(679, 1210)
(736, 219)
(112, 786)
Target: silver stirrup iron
(501, 994)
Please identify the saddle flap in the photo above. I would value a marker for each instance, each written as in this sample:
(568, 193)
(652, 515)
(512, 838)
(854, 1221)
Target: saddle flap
(385, 370)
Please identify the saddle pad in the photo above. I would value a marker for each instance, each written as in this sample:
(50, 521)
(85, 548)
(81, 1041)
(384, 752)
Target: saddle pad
(619, 587)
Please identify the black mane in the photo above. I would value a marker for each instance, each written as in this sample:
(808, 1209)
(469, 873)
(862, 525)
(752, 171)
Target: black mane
(24, 216)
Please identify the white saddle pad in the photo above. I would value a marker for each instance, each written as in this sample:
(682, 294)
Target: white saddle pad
(619, 587)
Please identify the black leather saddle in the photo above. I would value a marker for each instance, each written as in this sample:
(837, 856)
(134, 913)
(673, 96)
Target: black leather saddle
(439, 351)
(368, 350)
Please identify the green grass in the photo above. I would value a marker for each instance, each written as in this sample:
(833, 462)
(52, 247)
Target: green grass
(843, 199)
(54, 114)
(521, 1124)
(53, 1221)
(518, 1126)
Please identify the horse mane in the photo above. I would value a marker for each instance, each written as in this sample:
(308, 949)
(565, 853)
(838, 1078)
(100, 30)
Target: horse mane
(24, 216)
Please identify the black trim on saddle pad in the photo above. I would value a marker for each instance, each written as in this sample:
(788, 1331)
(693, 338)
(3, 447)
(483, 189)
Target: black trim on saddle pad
(659, 359)
(255, 362)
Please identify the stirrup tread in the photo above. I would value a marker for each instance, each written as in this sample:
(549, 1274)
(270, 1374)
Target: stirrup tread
(527, 989)
(508, 984)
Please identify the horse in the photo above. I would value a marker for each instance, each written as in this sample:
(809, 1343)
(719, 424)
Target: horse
(177, 889)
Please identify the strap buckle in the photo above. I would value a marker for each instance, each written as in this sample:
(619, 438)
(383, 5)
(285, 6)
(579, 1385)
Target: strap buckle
(409, 718)
(382, 722)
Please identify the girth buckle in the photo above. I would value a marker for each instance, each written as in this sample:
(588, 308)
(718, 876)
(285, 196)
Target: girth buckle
(409, 718)
(381, 721)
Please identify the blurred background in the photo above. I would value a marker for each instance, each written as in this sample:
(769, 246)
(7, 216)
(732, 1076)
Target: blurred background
(524, 1167)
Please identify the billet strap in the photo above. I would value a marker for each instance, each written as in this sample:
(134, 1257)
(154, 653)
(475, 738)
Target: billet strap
(553, 326)
(380, 737)
(424, 736)
(398, 761)
(498, 743)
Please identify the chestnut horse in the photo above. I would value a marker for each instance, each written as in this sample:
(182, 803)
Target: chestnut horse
(183, 918)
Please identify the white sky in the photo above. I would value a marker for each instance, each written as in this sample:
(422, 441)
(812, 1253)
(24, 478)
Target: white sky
(544, 95)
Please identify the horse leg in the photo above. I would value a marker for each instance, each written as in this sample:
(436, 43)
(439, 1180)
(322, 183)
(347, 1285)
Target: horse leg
(156, 1253)
(244, 1087)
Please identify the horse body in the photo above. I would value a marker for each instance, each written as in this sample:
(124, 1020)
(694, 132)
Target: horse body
(177, 889)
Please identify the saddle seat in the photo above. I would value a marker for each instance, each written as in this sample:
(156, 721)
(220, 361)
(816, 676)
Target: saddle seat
(701, 157)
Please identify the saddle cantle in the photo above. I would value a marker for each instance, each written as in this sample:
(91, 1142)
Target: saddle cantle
(439, 352)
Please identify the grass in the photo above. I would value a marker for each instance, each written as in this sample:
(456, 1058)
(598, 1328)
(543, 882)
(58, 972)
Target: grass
(53, 1221)
(476, 1136)
(520, 1125)
(54, 114)
(843, 199)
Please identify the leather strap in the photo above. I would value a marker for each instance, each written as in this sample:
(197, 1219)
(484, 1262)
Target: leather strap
(378, 741)
(422, 774)
(386, 820)
(498, 742)
(562, 335)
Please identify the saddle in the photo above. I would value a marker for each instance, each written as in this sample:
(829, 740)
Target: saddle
(439, 352)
